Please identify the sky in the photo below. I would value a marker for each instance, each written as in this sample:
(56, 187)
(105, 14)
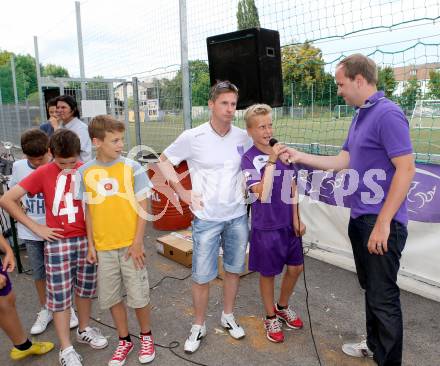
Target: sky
(141, 37)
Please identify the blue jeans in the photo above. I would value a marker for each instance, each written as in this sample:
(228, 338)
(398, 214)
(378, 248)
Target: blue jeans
(377, 275)
(35, 251)
(208, 236)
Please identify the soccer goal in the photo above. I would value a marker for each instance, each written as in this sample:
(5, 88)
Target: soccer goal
(426, 114)
(343, 111)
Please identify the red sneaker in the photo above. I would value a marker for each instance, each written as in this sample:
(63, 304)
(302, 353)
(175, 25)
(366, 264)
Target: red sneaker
(147, 353)
(289, 316)
(121, 353)
(274, 332)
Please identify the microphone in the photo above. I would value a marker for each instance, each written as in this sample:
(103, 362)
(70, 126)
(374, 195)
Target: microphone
(272, 142)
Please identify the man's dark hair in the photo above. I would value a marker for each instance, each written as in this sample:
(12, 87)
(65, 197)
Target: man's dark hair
(51, 103)
(64, 144)
(34, 143)
(71, 102)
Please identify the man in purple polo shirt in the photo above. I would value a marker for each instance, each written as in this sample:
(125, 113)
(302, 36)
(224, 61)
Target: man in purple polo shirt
(378, 149)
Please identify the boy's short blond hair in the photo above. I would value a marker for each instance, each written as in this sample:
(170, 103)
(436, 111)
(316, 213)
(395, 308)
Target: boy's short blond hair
(103, 123)
(256, 110)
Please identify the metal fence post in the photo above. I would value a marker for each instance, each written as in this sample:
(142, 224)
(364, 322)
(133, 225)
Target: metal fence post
(330, 99)
(28, 114)
(186, 88)
(40, 89)
(80, 50)
(137, 117)
(291, 93)
(2, 116)
(127, 122)
(14, 83)
(111, 98)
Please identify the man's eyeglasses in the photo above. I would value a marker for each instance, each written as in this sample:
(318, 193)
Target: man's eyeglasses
(220, 88)
(225, 85)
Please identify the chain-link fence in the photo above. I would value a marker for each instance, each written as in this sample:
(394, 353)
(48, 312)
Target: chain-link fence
(144, 40)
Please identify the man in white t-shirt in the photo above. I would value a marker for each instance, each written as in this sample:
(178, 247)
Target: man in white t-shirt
(213, 152)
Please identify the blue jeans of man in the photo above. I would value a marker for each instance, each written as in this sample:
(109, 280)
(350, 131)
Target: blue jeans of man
(377, 275)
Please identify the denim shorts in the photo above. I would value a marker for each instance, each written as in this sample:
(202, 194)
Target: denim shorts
(35, 252)
(208, 236)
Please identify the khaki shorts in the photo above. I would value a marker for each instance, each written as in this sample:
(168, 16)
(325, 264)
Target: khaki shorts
(114, 271)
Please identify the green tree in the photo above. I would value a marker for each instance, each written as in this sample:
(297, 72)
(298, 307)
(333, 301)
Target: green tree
(170, 93)
(247, 14)
(410, 94)
(34, 98)
(326, 91)
(434, 84)
(303, 74)
(6, 84)
(25, 76)
(200, 82)
(5, 57)
(386, 81)
(25, 73)
(170, 90)
(55, 70)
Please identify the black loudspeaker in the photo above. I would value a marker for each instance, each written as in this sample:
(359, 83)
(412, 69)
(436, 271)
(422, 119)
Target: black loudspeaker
(251, 59)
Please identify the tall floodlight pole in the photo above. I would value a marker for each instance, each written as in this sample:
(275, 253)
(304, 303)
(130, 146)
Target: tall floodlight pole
(186, 88)
(40, 89)
(80, 50)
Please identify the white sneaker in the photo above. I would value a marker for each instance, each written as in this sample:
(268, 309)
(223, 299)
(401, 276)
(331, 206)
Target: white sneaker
(44, 317)
(69, 357)
(357, 349)
(196, 334)
(73, 319)
(228, 322)
(93, 337)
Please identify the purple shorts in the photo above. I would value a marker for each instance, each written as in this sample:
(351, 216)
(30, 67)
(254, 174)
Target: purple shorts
(7, 289)
(270, 250)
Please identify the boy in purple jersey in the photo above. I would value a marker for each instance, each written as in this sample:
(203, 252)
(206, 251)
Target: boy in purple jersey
(276, 226)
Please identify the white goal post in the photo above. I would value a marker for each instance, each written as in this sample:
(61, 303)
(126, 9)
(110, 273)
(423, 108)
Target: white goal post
(343, 111)
(426, 114)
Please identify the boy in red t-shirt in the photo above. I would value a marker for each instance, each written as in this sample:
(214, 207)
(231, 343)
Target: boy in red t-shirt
(65, 252)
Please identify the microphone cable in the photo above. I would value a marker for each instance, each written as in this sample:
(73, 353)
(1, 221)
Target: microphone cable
(173, 344)
(307, 292)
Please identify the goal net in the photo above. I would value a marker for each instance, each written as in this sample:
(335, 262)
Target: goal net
(343, 111)
(426, 114)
